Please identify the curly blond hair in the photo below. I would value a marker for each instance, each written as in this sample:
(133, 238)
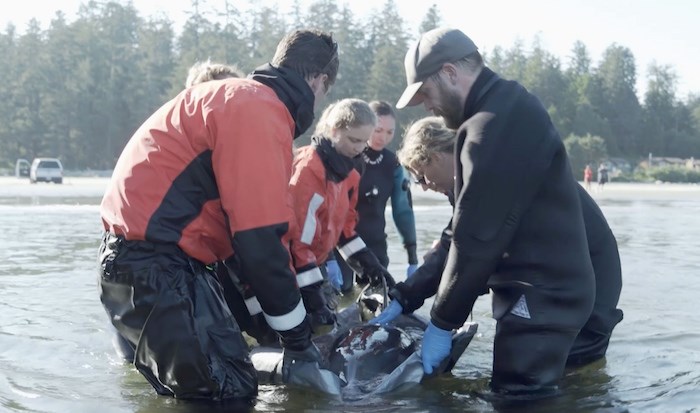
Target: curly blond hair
(423, 138)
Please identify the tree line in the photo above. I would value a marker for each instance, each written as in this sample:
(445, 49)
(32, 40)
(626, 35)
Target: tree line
(79, 89)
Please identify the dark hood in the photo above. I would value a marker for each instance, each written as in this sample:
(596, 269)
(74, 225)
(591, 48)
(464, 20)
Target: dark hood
(292, 90)
(338, 167)
(486, 79)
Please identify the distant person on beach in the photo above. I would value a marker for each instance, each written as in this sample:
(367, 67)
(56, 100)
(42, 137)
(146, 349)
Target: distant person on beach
(207, 70)
(587, 177)
(517, 225)
(206, 179)
(602, 176)
(427, 151)
(382, 178)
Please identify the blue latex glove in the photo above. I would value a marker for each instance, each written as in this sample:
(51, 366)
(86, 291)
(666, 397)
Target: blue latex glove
(393, 310)
(411, 269)
(335, 276)
(437, 344)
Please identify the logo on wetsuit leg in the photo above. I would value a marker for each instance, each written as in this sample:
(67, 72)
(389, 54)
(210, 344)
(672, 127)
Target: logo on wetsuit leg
(520, 308)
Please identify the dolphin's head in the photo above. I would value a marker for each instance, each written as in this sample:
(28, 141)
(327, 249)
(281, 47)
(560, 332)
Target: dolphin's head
(370, 351)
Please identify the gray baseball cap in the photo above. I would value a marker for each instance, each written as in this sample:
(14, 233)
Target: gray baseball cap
(426, 57)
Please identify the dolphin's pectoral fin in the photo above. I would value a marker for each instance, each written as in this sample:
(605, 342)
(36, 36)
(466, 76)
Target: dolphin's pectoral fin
(407, 373)
(460, 340)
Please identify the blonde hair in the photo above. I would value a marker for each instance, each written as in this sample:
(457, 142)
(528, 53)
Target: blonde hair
(422, 139)
(345, 114)
(201, 72)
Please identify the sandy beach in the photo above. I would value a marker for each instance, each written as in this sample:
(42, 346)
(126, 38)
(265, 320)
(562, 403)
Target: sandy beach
(644, 191)
(614, 191)
(95, 186)
(71, 187)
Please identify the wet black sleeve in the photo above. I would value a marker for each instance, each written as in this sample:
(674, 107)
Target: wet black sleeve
(502, 164)
(413, 292)
(263, 263)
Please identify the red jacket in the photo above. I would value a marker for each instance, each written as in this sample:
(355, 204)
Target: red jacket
(209, 171)
(325, 212)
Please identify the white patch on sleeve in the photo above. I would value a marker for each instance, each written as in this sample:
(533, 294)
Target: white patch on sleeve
(352, 247)
(310, 223)
(309, 277)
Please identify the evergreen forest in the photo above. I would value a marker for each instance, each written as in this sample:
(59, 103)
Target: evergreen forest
(78, 89)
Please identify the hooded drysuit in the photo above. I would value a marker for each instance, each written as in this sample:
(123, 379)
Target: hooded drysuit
(204, 179)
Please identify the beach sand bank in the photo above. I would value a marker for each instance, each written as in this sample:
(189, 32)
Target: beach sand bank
(95, 186)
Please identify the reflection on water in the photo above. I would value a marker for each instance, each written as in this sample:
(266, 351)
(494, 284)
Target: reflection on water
(56, 354)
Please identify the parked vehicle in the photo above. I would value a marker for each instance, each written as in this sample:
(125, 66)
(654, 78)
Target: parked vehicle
(47, 170)
(22, 167)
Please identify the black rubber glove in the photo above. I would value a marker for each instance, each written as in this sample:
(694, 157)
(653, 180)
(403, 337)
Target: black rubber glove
(304, 368)
(298, 338)
(366, 264)
(308, 354)
(376, 274)
(316, 305)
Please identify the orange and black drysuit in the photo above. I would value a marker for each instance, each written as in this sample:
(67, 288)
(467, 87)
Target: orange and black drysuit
(204, 179)
(324, 191)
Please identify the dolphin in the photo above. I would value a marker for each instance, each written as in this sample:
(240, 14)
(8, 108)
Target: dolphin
(360, 359)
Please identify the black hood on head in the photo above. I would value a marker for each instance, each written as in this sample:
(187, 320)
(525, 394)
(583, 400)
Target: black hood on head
(292, 90)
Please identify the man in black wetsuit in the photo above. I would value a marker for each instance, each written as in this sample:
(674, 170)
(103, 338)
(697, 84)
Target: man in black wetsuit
(517, 225)
(427, 152)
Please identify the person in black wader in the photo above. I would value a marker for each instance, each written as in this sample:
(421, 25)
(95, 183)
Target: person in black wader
(204, 180)
(427, 152)
(382, 178)
(517, 226)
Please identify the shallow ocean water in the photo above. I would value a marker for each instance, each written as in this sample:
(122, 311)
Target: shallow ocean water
(56, 354)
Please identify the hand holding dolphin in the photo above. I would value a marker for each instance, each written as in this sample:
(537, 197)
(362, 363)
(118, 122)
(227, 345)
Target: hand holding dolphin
(393, 310)
(437, 344)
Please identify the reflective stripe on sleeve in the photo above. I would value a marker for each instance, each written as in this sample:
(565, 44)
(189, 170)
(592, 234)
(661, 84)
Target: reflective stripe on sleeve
(253, 305)
(309, 277)
(287, 321)
(307, 234)
(352, 247)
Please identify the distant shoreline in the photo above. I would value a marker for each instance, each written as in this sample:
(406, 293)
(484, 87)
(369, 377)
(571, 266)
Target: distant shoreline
(12, 186)
(610, 186)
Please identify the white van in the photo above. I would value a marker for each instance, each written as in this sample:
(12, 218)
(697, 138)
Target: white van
(47, 170)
